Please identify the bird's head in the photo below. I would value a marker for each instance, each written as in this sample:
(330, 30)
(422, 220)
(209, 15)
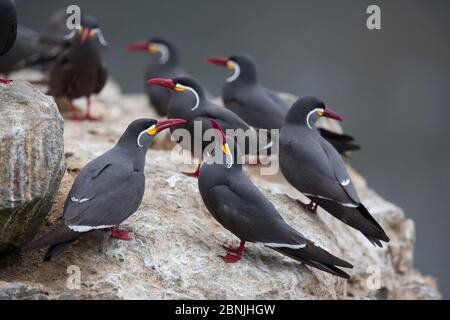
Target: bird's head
(140, 133)
(186, 90)
(243, 67)
(89, 32)
(308, 110)
(161, 48)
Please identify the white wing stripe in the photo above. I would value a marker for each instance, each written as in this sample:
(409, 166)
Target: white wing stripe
(284, 245)
(74, 199)
(88, 228)
(349, 205)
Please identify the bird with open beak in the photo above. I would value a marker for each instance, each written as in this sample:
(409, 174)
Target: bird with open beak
(261, 107)
(80, 70)
(107, 191)
(314, 167)
(240, 207)
(189, 101)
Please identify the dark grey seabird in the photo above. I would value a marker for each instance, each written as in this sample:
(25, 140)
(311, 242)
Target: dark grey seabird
(30, 50)
(164, 63)
(189, 101)
(259, 106)
(313, 166)
(238, 205)
(8, 27)
(107, 191)
(80, 70)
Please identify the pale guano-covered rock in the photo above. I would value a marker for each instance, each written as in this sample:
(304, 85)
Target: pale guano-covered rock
(31, 160)
(176, 242)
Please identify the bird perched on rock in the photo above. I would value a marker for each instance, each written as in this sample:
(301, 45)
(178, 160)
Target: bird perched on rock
(164, 63)
(8, 27)
(107, 190)
(80, 70)
(313, 166)
(189, 102)
(31, 49)
(259, 106)
(239, 206)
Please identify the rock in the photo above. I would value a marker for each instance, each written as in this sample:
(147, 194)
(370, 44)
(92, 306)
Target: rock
(176, 242)
(31, 161)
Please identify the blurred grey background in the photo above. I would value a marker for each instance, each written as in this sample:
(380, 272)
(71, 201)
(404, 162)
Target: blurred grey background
(392, 86)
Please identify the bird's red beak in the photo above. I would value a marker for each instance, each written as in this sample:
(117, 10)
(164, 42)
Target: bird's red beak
(139, 46)
(219, 132)
(167, 83)
(169, 123)
(331, 114)
(218, 61)
(84, 35)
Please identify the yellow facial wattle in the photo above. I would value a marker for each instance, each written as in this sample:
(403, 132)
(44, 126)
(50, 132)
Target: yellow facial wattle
(152, 131)
(225, 149)
(153, 48)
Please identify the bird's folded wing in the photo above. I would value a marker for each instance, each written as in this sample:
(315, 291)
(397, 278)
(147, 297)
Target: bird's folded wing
(241, 208)
(59, 84)
(339, 170)
(10, 41)
(102, 75)
(275, 96)
(227, 119)
(98, 185)
(316, 177)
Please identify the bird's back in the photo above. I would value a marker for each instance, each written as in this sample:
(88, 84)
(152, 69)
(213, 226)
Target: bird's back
(8, 26)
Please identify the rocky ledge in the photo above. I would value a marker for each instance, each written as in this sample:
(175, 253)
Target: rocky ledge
(176, 243)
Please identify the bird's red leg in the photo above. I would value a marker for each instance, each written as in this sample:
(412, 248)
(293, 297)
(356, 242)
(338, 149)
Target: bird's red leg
(233, 258)
(311, 207)
(230, 249)
(88, 114)
(193, 174)
(73, 110)
(117, 233)
(4, 81)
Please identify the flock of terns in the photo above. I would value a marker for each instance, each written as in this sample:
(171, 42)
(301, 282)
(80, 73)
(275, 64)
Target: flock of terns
(110, 188)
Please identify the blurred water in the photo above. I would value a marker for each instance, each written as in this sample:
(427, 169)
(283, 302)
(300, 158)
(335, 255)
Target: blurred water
(392, 85)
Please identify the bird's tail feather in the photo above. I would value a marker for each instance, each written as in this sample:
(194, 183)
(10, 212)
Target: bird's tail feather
(358, 218)
(55, 250)
(59, 235)
(343, 143)
(317, 257)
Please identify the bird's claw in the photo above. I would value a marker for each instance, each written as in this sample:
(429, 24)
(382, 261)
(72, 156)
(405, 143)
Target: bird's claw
(230, 249)
(231, 258)
(89, 117)
(119, 234)
(311, 207)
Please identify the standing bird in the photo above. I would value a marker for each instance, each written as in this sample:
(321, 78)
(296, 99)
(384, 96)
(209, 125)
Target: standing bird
(80, 71)
(107, 191)
(31, 49)
(259, 106)
(164, 63)
(313, 166)
(8, 27)
(240, 207)
(189, 101)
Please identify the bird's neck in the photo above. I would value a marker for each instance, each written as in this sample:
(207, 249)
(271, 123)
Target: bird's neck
(135, 154)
